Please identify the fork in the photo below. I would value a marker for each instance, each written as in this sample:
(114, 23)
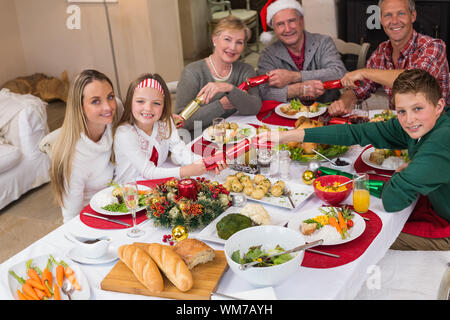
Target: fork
(377, 174)
(67, 288)
(287, 193)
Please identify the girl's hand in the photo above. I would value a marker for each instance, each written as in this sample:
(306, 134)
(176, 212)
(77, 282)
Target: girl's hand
(220, 166)
(213, 88)
(179, 121)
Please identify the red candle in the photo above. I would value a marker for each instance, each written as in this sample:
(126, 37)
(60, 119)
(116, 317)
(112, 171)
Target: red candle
(187, 188)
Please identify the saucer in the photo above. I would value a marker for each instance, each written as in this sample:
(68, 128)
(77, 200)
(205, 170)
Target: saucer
(109, 256)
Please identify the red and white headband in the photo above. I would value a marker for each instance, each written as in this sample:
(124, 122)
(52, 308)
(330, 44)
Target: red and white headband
(151, 83)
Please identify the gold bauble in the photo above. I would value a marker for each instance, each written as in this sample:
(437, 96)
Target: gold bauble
(308, 177)
(155, 200)
(179, 233)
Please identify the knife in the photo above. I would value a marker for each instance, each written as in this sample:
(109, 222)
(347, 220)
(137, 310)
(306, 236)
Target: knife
(107, 219)
(267, 115)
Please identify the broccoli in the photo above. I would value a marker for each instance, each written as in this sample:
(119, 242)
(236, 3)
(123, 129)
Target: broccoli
(231, 224)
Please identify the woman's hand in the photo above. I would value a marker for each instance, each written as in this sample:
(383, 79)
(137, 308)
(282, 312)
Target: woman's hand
(198, 168)
(220, 166)
(178, 120)
(213, 88)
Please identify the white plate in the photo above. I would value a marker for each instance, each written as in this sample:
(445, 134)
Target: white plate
(207, 136)
(97, 208)
(359, 225)
(41, 262)
(209, 233)
(365, 157)
(278, 111)
(299, 194)
(109, 256)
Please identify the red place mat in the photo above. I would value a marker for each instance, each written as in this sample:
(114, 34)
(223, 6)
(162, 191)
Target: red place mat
(103, 224)
(360, 167)
(348, 251)
(269, 106)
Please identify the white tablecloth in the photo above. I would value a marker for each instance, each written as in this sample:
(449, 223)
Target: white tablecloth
(342, 282)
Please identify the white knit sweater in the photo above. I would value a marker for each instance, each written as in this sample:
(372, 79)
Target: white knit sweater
(91, 171)
(133, 160)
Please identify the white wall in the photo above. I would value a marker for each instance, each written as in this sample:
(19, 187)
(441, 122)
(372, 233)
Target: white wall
(321, 16)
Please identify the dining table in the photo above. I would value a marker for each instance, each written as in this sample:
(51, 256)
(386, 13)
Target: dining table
(336, 278)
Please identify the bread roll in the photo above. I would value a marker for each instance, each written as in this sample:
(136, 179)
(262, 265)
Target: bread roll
(172, 265)
(194, 252)
(143, 267)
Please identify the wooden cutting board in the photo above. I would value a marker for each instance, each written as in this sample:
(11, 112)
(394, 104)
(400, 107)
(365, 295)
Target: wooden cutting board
(206, 278)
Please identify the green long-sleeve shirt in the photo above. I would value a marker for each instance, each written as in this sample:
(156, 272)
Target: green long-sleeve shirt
(428, 173)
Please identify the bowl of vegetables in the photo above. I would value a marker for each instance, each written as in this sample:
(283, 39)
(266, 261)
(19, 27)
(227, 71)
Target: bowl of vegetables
(258, 244)
(329, 189)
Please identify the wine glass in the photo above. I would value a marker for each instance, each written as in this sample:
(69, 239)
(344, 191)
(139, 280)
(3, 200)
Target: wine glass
(131, 198)
(307, 97)
(219, 132)
(360, 112)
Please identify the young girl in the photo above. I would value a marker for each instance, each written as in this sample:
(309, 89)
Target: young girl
(81, 157)
(146, 133)
(423, 127)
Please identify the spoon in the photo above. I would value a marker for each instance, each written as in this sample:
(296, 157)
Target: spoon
(67, 288)
(302, 247)
(332, 162)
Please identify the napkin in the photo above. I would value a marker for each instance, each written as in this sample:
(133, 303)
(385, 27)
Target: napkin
(266, 293)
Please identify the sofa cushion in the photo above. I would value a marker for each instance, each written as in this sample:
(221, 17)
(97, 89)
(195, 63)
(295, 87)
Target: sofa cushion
(9, 157)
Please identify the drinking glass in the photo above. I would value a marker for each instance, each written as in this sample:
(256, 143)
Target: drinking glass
(131, 198)
(360, 112)
(264, 160)
(307, 97)
(361, 195)
(219, 131)
(284, 164)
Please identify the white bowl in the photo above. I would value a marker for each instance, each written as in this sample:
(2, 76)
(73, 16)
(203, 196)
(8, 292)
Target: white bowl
(345, 168)
(269, 237)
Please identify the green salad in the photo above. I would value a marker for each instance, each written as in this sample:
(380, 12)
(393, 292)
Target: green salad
(257, 254)
(122, 207)
(330, 152)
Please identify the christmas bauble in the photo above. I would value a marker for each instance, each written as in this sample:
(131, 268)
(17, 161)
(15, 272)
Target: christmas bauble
(308, 177)
(313, 165)
(179, 233)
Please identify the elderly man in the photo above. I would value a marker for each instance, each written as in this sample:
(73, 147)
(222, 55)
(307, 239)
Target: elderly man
(298, 57)
(405, 49)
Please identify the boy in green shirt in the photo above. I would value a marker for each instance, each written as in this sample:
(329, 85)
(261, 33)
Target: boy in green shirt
(423, 127)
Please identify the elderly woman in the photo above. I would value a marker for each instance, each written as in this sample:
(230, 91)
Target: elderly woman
(217, 77)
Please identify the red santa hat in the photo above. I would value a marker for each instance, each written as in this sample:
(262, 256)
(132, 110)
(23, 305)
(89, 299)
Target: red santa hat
(270, 9)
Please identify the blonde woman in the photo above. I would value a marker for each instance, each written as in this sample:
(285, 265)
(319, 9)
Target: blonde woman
(81, 157)
(218, 76)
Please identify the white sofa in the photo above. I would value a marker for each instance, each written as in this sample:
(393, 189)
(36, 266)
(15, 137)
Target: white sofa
(23, 123)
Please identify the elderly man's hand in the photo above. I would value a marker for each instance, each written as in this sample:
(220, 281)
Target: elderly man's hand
(316, 86)
(338, 108)
(281, 77)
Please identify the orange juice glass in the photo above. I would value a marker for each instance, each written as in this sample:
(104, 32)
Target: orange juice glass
(361, 195)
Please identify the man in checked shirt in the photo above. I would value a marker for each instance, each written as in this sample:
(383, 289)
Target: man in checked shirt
(405, 49)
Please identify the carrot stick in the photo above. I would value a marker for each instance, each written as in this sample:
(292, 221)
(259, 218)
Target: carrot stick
(28, 290)
(59, 274)
(21, 295)
(333, 222)
(40, 293)
(47, 275)
(68, 272)
(398, 153)
(32, 273)
(57, 293)
(342, 222)
(35, 284)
